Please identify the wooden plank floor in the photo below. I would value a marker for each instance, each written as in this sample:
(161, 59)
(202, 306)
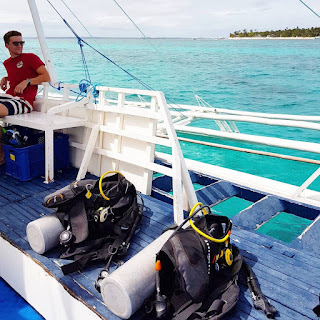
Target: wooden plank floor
(288, 277)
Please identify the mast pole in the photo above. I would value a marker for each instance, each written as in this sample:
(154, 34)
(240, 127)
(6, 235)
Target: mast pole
(42, 41)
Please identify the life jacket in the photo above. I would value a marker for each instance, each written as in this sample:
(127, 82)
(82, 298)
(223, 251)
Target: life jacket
(197, 277)
(99, 216)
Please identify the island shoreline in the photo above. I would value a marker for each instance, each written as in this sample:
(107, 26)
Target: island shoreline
(273, 38)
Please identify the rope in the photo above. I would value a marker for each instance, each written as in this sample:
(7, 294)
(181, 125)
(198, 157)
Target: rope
(262, 153)
(201, 101)
(82, 41)
(77, 19)
(85, 87)
(309, 8)
(84, 62)
(145, 37)
(100, 53)
(84, 27)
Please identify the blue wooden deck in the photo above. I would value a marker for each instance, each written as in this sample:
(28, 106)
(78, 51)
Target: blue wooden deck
(288, 277)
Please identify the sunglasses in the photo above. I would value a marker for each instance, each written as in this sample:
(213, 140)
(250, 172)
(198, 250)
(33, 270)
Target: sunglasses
(16, 43)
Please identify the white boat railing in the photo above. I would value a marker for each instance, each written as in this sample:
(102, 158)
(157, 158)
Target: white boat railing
(306, 184)
(251, 119)
(143, 108)
(245, 113)
(223, 125)
(225, 120)
(264, 140)
(120, 135)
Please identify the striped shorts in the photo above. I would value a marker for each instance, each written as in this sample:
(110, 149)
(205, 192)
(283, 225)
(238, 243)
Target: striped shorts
(15, 105)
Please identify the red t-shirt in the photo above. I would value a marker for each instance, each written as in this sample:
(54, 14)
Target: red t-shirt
(20, 68)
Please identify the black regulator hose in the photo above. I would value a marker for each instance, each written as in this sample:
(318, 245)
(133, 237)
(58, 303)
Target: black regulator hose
(260, 302)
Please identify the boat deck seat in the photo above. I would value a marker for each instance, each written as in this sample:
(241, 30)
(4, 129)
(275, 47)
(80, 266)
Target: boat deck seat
(288, 277)
(47, 122)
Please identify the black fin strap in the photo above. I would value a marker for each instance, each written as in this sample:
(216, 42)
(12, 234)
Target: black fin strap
(316, 309)
(133, 225)
(118, 243)
(260, 302)
(70, 267)
(78, 264)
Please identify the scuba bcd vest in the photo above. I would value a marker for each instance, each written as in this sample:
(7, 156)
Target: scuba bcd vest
(99, 216)
(197, 272)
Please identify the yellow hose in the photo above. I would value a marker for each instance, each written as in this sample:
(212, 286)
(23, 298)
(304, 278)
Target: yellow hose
(202, 233)
(100, 183)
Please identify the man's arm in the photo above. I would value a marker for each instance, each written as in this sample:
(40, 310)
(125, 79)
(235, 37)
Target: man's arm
(43, 76)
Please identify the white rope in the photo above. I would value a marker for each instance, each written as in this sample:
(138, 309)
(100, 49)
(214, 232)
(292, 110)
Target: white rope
(145, 37)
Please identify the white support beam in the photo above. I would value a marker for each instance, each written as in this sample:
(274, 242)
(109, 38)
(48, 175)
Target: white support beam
(307, 183)
(42, 41)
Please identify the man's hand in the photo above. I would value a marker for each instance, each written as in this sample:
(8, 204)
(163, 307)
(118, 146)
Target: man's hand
(20, 87)
(3, 83)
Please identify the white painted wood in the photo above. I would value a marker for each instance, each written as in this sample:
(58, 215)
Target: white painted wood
(187, 183)
(270, 122)
(127, 91)
(129, 160)
(247, 113)
(269, 141)
(134, 111)
(49, 155)
(262, 184)
(127, 131)
(48, 123)
(137, 136)
(127, 143)
(88, 153)
(39, 287)
(42, 41)
(68, 106)
(306, 184)
(120, 126)
(177, 188)
(150, 148)
(234, 127)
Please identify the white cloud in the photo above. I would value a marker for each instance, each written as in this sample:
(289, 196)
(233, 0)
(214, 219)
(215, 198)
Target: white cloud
(156, 18)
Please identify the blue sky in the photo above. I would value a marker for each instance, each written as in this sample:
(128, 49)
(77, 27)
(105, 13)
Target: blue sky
(161, 18)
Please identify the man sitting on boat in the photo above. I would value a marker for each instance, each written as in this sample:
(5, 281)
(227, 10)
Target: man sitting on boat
(25, 72)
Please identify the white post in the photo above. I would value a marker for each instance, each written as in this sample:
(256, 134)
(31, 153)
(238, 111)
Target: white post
(42, 40)
(178, 164)
(306, 184)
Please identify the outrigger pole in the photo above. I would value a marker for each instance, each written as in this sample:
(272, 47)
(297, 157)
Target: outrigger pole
(42, 41)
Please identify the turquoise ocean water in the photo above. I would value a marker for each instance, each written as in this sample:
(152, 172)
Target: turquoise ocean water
(275, 76)
(280, 76)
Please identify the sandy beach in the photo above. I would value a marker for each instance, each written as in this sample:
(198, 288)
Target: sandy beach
(273, 38)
